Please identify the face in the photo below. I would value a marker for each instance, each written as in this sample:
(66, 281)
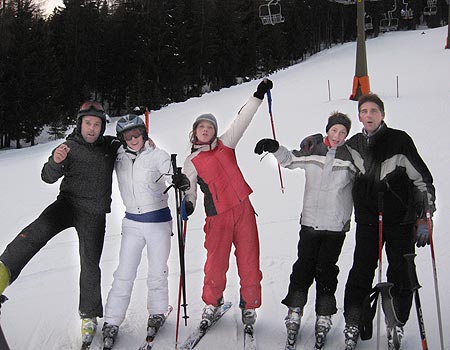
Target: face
(134, 139)
(205, 131)
(371, 116)
(336, 135)
(90, 128)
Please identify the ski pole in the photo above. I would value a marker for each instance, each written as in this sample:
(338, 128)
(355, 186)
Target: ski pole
(436, 287)
(147, 120)
(181, 246)
(415, 288)
(380, 261)
(269, 102)
(184, 216)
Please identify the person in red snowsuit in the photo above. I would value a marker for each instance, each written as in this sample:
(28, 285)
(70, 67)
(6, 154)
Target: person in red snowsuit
(230, 217)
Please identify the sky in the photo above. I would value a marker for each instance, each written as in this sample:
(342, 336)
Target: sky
(49, 5)
(43, 301)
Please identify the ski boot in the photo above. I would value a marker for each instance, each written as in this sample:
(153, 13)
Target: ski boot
(4, 277)
(154, 323)
(394, 337)
(248, 317)
(292, 322)
(323, 326)
(88, 328)
(351, 333)
(109, 335)
(209, 311)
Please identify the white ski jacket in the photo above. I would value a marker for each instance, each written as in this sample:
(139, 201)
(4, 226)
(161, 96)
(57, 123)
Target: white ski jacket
(142, 179)
(329, 173)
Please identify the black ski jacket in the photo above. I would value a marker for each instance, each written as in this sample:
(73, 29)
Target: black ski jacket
(87, 172)
(388, 163)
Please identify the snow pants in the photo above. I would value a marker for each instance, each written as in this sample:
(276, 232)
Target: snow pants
(398, 240)
(235, 226)
(318, 253)
(57, 217)
(135, 236)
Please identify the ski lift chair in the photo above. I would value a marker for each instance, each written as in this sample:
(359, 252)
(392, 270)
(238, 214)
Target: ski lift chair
(431, 8)
(393, 24)
(345, 2)
(384, 24)
(406, 12)
(270, 13)
(368, 25)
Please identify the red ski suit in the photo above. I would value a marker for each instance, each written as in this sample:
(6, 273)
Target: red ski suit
(230, 218)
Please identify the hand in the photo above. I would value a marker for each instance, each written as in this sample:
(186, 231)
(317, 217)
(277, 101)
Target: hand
(61, 153)
(189, 207)
(266, 145)
(309, 142)
(181, 182)
(421, 233)
(262, 88)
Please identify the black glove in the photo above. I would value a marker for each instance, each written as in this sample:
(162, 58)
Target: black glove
(309, 142)
(262, 88)
(189, 207)
(266, 145)
(181, 182)
(421, 233)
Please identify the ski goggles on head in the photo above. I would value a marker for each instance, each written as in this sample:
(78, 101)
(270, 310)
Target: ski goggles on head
(130, 134)
(91, 108)
(91, 105)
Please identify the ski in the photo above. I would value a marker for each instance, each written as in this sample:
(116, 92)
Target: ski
(249, 338)
(151, 334)
(291, 339)
(194, 338)
(85, 346)
(3, 342)
(320, 341)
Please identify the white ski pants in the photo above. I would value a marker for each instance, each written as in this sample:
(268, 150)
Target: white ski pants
(135, 236)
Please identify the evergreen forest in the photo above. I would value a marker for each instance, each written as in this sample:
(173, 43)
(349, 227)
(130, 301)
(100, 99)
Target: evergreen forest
(150, 53)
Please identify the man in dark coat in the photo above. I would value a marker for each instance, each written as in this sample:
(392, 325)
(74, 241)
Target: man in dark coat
(85, 162)
(392, 179)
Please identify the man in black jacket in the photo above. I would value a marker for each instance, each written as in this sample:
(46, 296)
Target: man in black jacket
(391, 175)
(86, 162)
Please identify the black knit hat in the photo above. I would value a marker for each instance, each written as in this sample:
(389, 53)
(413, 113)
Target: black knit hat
(339, 118)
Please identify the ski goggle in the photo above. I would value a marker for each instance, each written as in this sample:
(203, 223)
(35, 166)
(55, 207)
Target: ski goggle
(91, 106)
(130, 134)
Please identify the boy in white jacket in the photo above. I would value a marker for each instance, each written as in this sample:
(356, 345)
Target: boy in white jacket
(143, 171)
(325, 218)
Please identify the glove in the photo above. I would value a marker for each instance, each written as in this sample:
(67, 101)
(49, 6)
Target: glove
(421, 233)
(189, 207)
(262, 88)
(181, 182)
(266, 145)
(309, 142)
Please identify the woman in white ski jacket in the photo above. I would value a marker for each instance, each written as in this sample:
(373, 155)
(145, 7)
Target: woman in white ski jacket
(143, 171)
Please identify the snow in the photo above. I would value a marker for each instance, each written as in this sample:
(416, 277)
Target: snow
(42, 310)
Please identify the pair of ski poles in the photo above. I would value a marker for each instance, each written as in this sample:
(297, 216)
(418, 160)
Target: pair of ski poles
(181, 229)
(415, 286)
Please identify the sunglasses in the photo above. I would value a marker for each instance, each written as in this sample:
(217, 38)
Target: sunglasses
(128, 135)
(91, 106)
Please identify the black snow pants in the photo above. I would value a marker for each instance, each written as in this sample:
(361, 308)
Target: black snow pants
(57, 217)
(398, 240)
(318, 253)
